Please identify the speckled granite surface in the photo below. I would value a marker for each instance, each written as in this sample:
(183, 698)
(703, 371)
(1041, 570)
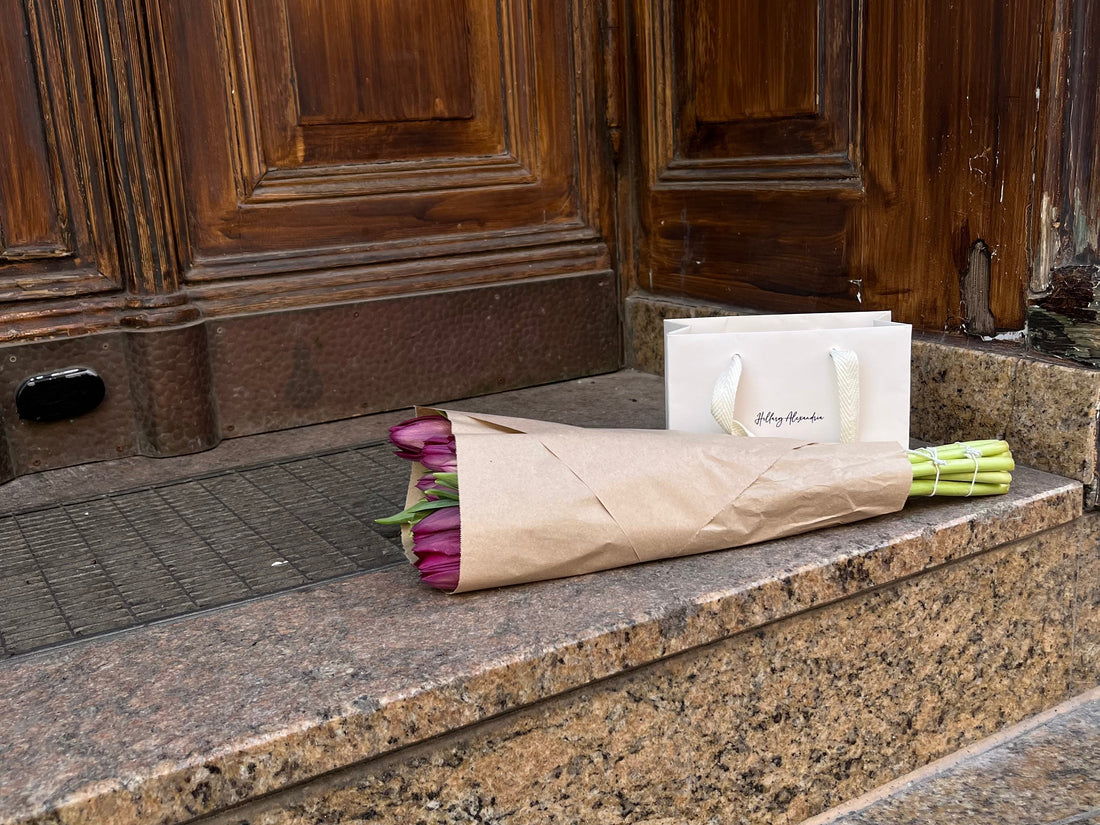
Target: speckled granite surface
(645, 318)
(1048, 774)
(1047, 411)
(961, 389)
(1086, 648)
(174, 721)
(772, 725)
(169, 722)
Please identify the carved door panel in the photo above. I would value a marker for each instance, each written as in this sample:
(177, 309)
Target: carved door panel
(55, 231)
(816, 155)
(335, 151)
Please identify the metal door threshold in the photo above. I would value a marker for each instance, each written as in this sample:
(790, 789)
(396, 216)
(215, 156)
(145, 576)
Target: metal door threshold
(122, 559)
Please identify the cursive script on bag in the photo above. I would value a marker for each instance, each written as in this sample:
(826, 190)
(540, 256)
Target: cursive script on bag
(779, 420)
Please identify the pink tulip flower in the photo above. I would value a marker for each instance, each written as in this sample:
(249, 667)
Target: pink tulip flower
(437, 546)
(411, 436)
(439, 456)
(439, 570)
(436, 537)
(445, 542)
(437, 521)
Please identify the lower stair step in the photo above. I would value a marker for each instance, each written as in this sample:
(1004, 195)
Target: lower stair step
(1044, 771)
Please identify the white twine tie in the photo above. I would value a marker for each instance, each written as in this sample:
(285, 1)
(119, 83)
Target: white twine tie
(937, 462)
(973, 453)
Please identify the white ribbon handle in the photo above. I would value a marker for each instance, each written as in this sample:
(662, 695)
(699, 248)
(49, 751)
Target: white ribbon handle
(845, 370)
(724, 398)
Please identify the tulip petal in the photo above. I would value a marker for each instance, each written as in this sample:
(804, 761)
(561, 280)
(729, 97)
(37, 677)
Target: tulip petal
(439, 458)
(411, 435)
(439, 571)
(446, 518)
(446, 542)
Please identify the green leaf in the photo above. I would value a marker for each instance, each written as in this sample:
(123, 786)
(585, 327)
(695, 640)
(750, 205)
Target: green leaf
(443, 492)
(417, 511)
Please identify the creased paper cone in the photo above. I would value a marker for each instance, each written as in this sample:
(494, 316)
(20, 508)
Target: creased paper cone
(543, 500)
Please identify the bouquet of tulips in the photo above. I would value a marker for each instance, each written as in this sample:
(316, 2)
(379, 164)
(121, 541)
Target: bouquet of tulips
(542, 500)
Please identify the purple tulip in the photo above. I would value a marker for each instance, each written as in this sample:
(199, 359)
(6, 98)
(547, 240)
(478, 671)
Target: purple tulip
(446, 518)
(437, 546)
(445, 542)
(428, 483)
(439, 457)
(411, 436)
(439, 570)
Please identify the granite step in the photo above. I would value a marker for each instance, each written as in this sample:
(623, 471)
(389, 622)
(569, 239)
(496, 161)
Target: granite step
(1044, 771)
(761, 685)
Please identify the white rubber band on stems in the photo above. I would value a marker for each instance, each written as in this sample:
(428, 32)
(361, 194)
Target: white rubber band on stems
(937, 462)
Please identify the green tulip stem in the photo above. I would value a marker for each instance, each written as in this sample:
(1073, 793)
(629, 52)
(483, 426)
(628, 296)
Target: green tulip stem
(925, 487)
(988, 448)
(981, 478)
(990, 464)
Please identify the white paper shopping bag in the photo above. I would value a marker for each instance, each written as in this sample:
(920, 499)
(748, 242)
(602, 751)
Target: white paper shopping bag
(840, 376)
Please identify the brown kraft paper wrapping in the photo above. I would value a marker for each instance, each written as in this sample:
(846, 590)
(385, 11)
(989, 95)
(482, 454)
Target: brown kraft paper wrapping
(543, 500)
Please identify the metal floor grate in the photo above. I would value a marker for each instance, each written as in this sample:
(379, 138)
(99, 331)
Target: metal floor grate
(124, 559)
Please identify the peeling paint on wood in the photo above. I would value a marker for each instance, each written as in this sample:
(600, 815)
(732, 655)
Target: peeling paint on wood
(1066, 322)
(974, 289)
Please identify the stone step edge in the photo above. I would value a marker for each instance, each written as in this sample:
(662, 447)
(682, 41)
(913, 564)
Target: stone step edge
(946, 763)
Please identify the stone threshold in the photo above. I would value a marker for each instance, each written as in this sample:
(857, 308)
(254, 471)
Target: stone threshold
(170, 722)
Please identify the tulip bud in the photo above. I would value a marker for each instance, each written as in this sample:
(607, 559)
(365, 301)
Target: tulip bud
(445, 542)
(447, 518)
(439, 570)
(411, 436)
(439, 456)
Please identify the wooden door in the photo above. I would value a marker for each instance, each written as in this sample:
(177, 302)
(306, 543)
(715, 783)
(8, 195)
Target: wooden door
(55, 230)
(254, 214)
(60, 270)
(818, 155)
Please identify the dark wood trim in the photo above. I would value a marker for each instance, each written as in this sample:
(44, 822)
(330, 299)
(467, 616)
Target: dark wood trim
(1065, 277)
(1069, 206)
(128, 98)
(391, 278)
(272, 370)
(73, 250)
